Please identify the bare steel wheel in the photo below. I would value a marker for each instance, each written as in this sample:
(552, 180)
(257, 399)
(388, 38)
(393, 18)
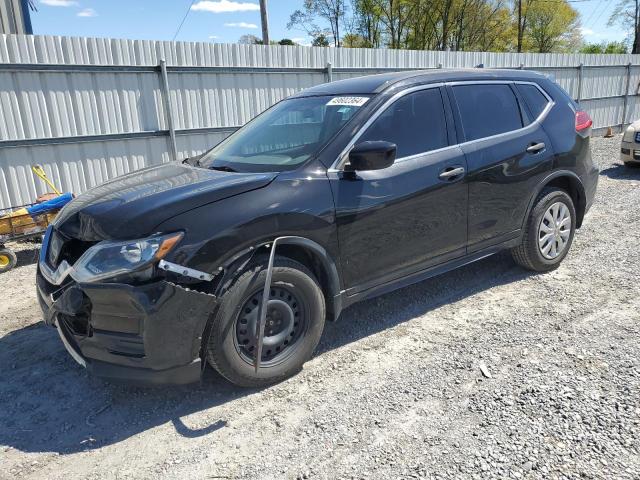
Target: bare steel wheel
(548, 231)
(285, 325)
(294, 323)
(554, 230)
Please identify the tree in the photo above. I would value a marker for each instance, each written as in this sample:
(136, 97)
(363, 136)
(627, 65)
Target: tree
(249, 39)
(286, 41)
(481, 25)
(627, 15)
(353, 40)
(395, 15)
(522, 10)
(320, 41)
(551, 25)
(604, 47)
(466, 25)
(367, 22)
(331, 11)
(615, 47)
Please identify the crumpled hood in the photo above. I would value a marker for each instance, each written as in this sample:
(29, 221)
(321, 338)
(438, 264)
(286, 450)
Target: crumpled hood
(131, 206)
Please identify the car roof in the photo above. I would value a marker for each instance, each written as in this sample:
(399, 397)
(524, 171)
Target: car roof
(371, 84)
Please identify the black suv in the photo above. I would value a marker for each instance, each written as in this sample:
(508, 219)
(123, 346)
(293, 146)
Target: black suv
(342, 192)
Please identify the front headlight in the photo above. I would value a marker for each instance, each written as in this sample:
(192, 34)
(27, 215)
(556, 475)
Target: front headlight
(109, 259)
(628, 135)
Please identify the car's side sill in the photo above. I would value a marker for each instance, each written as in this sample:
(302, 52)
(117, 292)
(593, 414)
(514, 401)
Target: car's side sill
(426, 273)
(489, 242)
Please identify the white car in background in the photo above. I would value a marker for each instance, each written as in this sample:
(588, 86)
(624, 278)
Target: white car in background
(630, 148)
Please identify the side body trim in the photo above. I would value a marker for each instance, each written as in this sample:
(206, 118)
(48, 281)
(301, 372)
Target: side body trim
(427, 273)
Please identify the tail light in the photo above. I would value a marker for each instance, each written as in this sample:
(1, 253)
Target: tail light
(583, 120)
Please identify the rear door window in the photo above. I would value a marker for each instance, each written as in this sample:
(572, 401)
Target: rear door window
(534, 98)
(415, 123)
(487, 109)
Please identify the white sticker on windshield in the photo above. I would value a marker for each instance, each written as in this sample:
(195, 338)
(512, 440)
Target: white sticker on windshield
(348, 101)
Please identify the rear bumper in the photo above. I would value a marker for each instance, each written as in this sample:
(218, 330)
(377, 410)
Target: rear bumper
(150, 334)
(591, 185)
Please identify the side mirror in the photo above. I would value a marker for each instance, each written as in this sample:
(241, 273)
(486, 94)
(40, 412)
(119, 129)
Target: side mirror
(371, 156)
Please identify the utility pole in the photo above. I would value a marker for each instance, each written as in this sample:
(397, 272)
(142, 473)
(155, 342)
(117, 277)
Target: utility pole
(520, 27)
(636, 31)
(265, 22)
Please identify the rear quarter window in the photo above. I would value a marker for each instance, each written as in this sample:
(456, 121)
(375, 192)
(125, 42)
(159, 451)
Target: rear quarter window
(487, 109)
(534, 98)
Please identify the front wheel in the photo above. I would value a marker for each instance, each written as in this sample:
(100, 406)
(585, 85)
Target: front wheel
(294, 324)
(548, 233)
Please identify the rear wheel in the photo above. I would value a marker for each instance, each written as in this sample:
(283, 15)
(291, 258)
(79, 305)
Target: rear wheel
(295, 320)
(548, 233)
(8, 260)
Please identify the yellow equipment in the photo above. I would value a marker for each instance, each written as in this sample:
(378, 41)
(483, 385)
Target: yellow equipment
(17, 225)
(39, 171)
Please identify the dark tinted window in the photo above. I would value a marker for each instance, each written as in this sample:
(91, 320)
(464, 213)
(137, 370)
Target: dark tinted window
(487, 109)
(534, 98)
(415, 123)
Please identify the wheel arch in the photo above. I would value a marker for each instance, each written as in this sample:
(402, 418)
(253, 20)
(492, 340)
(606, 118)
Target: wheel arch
(301, 249)
(569, 182)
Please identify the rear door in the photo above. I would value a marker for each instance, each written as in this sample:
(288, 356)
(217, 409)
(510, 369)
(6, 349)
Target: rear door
(404, 218)
(507, 153)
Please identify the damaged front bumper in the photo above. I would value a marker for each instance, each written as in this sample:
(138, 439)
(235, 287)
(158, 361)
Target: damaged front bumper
(150, 333)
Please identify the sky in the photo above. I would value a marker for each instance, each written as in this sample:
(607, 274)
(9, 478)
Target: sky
(223, 21)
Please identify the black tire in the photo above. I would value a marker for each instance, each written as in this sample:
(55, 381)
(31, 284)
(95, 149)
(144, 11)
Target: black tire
(528, 254)
(8, 260)
(632, 164)
(231, 329)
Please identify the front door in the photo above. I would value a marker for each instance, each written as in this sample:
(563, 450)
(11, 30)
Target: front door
(412, 215)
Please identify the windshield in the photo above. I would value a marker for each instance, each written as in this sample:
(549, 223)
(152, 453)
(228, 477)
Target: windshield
(284, 136)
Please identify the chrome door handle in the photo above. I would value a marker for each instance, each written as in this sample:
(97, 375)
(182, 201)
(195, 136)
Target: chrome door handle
(536, 147)
(450, 174)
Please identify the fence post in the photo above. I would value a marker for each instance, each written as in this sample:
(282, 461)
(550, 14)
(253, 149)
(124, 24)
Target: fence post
(626, 96)
(164, 83)
(329, 72)
(580, 75)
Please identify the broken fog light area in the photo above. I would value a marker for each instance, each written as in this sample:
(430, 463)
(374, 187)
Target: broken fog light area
(78, 325)
(74, 309)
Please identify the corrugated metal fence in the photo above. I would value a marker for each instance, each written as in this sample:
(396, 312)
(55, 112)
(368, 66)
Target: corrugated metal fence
(90, 109)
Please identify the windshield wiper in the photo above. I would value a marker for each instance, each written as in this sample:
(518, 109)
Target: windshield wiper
(223, 168)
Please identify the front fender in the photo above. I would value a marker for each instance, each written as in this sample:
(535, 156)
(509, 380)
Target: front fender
(219, 237)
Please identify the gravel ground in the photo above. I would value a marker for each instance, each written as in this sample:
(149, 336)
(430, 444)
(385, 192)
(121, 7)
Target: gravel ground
(484, 372)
